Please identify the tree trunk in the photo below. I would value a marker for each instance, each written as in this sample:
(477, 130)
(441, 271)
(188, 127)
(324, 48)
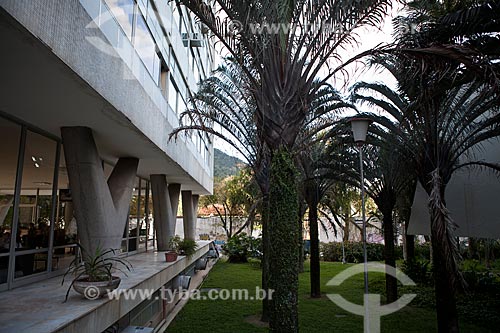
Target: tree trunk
(266, 246)
(314, 250)
(283, 236)
(391, 284)
(445, 296)
(443, 253)
(410, 247)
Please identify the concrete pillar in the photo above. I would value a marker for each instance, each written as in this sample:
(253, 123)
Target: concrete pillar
(187, 215)
(174, 190)
(196, 199)
(100, 208)
(162, 211)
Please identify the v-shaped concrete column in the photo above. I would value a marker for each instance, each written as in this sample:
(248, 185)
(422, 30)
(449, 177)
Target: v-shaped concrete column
(189, 214)
(165, 204)
(100, 208)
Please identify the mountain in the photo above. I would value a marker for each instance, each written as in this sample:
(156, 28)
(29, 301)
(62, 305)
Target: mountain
(225, 165)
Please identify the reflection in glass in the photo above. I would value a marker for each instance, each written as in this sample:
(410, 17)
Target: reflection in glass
(32, 263)
(142, 217)
(123, 11)
(10, 134)
(133, 221)
(146, 48)
(35, 208)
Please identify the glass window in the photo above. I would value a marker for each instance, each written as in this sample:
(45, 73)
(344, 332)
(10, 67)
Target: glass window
(133, 220)
(123, 11)
(172, 95)
(141, 217)
(182, 104)
(35, 205)
(146, 48)
(10, 134)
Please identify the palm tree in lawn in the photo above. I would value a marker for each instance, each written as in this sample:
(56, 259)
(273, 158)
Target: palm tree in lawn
(387, 175)
(440, 138)
(224, 101)
(224, 107)
(281, 66)
(450, 70)
(325, 107)
(313, 187)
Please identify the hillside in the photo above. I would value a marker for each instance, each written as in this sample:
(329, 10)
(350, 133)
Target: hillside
(225, 165)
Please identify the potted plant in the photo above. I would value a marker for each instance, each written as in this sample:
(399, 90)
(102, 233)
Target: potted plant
(173, 245)
(184, 247)
(187, 247)
(93, 274)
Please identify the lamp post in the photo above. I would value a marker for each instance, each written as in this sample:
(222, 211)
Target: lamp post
(359, 128)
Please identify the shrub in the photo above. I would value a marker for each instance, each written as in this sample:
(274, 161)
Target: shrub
(417, 270)
(423, 251)
(354, 252)
(479, 278)
(241, 247)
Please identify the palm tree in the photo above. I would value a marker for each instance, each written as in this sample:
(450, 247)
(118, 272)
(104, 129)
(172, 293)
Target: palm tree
(450, 70)
(387, 176)
(223, 100)
(281, 66)
(440, 138)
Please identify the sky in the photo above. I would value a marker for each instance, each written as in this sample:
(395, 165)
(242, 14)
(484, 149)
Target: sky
(368, 39)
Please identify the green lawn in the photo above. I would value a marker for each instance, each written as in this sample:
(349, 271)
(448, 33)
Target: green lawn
(316, 315)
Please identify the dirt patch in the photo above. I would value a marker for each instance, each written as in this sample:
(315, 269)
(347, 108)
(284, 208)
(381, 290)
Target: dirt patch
(255, 321)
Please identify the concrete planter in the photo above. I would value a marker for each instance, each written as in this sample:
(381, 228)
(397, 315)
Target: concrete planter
(171, 256)
(95, 290)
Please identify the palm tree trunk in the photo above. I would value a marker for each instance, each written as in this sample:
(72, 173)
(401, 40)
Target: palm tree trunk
(444, 258)
(284, 235)
(391, 284)
(265, 256)
(410, 247)
(314, 250)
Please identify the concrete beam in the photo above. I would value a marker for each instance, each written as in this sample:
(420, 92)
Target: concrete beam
(100, 208)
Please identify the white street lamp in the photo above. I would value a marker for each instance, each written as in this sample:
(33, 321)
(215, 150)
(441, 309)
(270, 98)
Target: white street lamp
(359, 130)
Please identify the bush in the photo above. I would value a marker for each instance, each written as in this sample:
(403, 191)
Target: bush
(423, 251)
(417, 270)
(354, 252)
(241, 247)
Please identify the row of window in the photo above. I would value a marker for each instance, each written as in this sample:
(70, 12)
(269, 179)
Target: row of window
(130, 16)
(133, 23)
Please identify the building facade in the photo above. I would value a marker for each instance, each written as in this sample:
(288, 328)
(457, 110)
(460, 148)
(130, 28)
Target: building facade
(90, 91)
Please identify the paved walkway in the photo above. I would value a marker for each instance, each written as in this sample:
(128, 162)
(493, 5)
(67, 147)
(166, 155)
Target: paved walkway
(39, 307)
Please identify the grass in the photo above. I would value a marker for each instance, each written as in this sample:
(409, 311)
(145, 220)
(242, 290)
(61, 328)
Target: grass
(315, 315)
